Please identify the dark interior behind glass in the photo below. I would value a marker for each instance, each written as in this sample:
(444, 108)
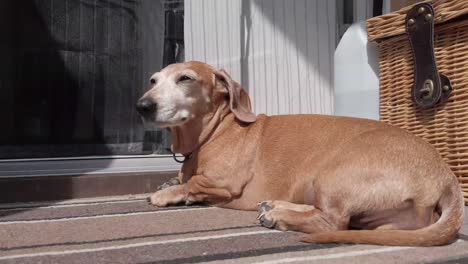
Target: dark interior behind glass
(72, 71)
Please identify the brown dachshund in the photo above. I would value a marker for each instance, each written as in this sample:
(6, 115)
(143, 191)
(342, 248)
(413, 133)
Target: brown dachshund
(321, 175)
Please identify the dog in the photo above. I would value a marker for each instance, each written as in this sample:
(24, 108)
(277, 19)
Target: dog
(337, 179)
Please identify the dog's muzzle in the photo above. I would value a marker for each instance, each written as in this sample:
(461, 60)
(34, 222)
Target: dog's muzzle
(146, 107)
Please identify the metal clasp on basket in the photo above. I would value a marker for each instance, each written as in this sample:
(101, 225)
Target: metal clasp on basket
(428, 90)
(430, 87)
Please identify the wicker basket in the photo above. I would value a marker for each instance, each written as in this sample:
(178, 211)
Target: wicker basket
(445, 125)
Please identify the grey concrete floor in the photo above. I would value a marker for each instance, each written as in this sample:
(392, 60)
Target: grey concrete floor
(128, 230)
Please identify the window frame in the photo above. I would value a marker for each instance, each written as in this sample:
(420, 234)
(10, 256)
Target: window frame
(90, 165)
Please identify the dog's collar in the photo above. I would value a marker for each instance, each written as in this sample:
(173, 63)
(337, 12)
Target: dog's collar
(187, 157)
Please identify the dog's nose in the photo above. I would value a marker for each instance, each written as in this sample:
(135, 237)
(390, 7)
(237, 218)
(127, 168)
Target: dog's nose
(146, 107)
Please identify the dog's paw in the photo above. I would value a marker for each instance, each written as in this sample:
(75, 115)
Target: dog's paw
(158, 199)
(263, 208)
(271, 217)
(170, 196)
(264, 204)
(171, 182)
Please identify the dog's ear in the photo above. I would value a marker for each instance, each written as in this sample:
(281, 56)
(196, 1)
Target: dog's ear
(239, 101)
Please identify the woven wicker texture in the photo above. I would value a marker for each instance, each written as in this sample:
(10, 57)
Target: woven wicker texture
(446, 126)
(393, 24)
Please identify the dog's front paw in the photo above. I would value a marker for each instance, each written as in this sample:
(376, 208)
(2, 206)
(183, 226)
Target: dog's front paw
(157, 199)
(169, 196)
(169, 183)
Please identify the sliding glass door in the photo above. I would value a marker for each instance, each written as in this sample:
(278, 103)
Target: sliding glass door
(72, 71)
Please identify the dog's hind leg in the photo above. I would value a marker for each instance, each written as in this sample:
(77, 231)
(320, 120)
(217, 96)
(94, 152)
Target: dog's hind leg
(303, 218)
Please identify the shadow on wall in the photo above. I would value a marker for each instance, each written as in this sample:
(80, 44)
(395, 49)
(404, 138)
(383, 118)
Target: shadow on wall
(287, 51)
(309, 25)
(280, 51)
(301, 36)
(246, 26)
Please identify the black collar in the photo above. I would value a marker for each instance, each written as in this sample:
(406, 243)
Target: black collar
(186, 157)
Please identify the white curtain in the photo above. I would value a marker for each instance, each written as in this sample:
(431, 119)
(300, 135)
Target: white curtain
(281, 51)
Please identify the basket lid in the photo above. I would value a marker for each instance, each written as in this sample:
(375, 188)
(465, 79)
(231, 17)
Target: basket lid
(393, 24)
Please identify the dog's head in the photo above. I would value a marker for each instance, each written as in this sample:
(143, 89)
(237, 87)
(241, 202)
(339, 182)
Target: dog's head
(185, 91)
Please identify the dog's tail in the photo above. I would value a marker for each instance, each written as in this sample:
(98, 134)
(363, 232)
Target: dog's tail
(439, 233)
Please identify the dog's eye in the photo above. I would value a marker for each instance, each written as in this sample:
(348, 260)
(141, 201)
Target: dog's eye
(184, 78)
(153, 81)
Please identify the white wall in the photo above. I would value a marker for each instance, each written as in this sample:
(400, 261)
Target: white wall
(281, 51)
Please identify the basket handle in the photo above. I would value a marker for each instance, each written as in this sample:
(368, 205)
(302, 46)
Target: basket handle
(429, 87)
